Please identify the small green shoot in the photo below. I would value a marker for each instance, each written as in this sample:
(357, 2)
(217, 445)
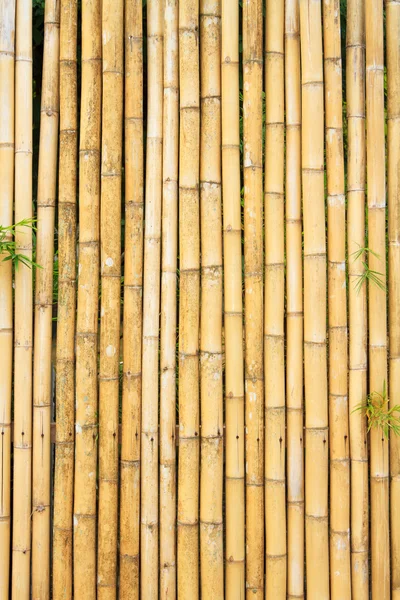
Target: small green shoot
(8, 247)
(379, 415)
(368, 274)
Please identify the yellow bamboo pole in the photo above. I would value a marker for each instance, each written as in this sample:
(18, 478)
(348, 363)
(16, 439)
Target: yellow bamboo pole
(316, 476)
(168, 304)
(274, 351)
(22, 447)
(338, 402)
(211, 475)
(7, 89)
(110, 267)
(87, 313)
(379, 464)
(42, 388)
(355, 93)
(151, 304)
(294, 309)
(65, 390)
(234, 378)
(132, 328)
(393, 89)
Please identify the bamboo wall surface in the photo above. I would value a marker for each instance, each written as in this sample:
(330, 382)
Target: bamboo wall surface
(200, 299)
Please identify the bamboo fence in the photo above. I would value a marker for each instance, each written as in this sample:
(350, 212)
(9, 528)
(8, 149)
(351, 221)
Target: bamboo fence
(199, 299)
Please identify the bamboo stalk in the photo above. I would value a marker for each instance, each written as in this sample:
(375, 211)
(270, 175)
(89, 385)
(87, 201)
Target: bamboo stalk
(133, 289)
(65, 391)
(22, 447)
(110, 268)
(169, 304)
(379, 465)
(274, 351)
(189, 301)
(87, 313)
(151, 304)
(355, 60)
(234, 378)
(211, 474)
(7, 138)
(42, 388)
(338, 400)
(294, 309)
(393, 89)
(316, 472)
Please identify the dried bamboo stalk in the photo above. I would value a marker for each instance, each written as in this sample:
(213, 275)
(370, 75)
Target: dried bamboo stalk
(42, 387)
(211, 475)
(133, 289)
(65, 367)
(233, 326)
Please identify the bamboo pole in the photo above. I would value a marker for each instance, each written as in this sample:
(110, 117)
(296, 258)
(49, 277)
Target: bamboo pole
(189, 301)
(338, 400)
(133, 289)
(355, 93)
(42, 388)
(169, 304)
(234, 388)
(7, 83)
(393, 89)
(211, 474)
(316, 472)
(274, 351)
(294, 309)
(87, 313)
(65, 391)
(379, 465)
(22, 447)
(110, 318)
(151, 304)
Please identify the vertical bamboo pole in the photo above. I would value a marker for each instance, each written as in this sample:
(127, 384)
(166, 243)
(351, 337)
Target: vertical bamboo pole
(22, 447)
(65, 391)
(355, 93)
(294, 310)
(87, 313)
(46, 203)
(379, 465)
(338, 403)
(133, 282)
(168, 304)
(211, 476)
(316, 476)
(393, 80)
(7, 62)
(189, 301)
(234, 388)
(274, 350)
(110, 268)
(151, 304)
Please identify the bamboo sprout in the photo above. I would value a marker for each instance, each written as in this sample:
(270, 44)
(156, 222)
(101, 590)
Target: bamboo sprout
(355, 59)
(316, 472)
(151, 304)
(168, 305)
(274, 352)
(338, 402)
(110, 265)
(133, 276)
(393, 75)
(7, 61)
(42, 368)
(379, 465)
(65, 391)
(189, 301)
(234, 388)
(87, 313)
(294, 310)
(211, 475)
